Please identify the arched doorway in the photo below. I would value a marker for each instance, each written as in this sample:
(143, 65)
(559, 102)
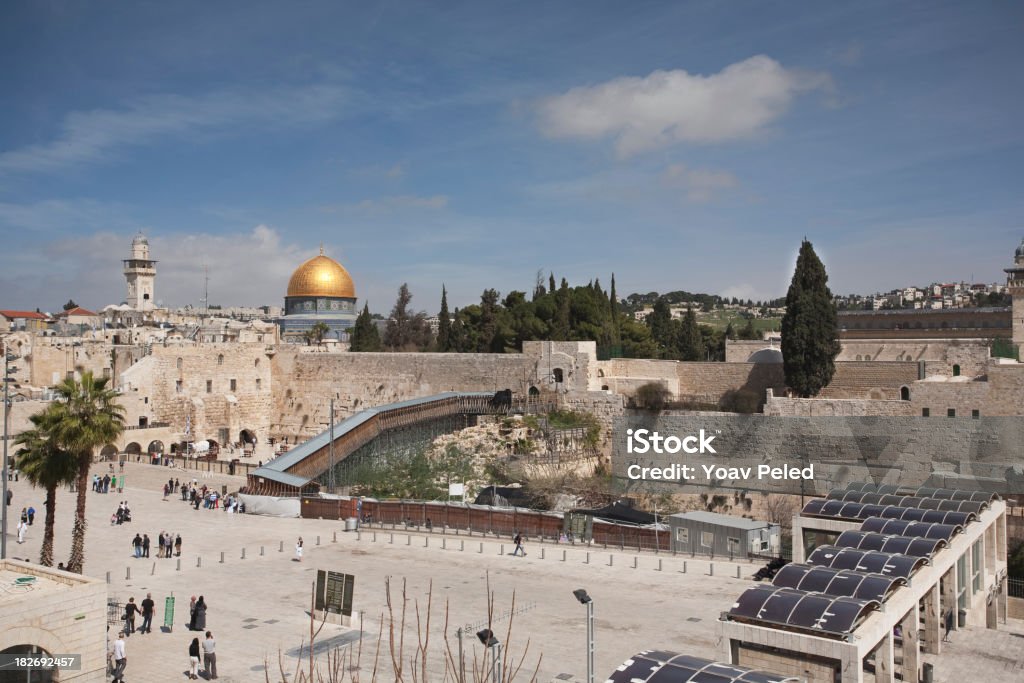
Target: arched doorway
(155, 448)
(956, 370)
(133, 448)
(246, 437)
(108, 452)
(904, 393)
(33, 676)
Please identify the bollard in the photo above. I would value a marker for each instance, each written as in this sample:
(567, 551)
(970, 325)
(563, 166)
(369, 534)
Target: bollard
(587, 561)
(334, 539)
(542, 553)
(444, 543)
(280, 548)
(659, 565)
(711, 568)
(501, 550)
(481, 551)
(222, 557)
(611, 560)
(462, 545)
(634, 561)
(684, 566)
(153, 570)
(408, 540)
(391, 539)
(374, 538)
(737, 572)
(426, 541)
(199, 562)
(359, 535)
(243, 553)
(178, 568)
(108, 577)
(563, 556)
(262, 553)
(128, 572)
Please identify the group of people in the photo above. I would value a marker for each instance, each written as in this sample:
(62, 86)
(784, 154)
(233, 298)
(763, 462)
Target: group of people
(28, 515)
(208, 648)
(197, 495)
(106, 482)
(168, 545)
(122, 515)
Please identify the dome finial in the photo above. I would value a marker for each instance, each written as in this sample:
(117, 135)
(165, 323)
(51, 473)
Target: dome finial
(321, 248)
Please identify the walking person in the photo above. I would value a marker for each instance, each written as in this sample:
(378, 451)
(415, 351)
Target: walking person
(169, 541)
(160, 545)
(31, 515)
(147, 614)
(192, 614)
(518, 540)
(210, 656)
(298, 550)
(22, 529)
(145, 545)
(137, 545)
(120, 658)
(130, 610)
(200, 614)
(193, 659)
(177, 545)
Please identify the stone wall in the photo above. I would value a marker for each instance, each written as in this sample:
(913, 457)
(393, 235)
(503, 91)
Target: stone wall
(870, 379)
(832, 407)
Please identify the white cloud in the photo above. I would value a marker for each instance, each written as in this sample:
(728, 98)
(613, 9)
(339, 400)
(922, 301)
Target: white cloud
(670, 107)
(699, 184)
(97, 135)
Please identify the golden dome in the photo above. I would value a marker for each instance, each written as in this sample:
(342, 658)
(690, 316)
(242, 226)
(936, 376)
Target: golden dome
(321, 276)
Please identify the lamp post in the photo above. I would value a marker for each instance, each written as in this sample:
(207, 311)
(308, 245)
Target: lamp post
(8, 357)
(330, 477)
(585, 599)
(486, 637)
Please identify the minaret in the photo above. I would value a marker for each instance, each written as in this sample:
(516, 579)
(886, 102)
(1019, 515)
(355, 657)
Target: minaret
(140, 272)
(1015, 283)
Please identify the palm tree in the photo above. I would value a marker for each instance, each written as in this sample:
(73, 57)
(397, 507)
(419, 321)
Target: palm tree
(318, 332)
(45, 464)
(85, 417)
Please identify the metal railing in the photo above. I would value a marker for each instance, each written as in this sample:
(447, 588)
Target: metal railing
(1015, 588)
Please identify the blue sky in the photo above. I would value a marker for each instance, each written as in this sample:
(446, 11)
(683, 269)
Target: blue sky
(682, 145)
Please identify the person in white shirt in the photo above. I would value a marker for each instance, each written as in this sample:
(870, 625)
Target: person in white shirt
(210, 656)
(22, 528)
(120, 658)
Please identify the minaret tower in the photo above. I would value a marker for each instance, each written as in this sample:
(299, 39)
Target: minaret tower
(1015, 283)
(140, 272)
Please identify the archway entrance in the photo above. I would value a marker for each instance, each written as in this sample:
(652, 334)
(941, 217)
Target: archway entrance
(133, 448)
(108, 452)
(34, 676)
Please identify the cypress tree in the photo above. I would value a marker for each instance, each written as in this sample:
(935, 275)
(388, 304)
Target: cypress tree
(444, 324)
(691, 342)
(365, 336)
(810, 341)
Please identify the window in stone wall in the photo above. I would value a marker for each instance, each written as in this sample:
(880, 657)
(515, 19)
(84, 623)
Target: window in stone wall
(925, 412)
(976, 414)
(234, 384)
(177, 386)
(220, 359)
(179, 363)
(956, 370)
(258, 383)
(950, 412)
(557, 375)
(904, 393)
(209, 386)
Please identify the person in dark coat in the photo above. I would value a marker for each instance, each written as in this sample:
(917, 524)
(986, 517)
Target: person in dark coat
(193, 659)
(200, 618)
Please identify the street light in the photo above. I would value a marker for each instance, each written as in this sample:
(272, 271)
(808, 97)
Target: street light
(585, 599)
(8, 357)
(486, 637)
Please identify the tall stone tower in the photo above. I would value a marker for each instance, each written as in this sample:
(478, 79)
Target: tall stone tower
(140, 272)
(1015, 283)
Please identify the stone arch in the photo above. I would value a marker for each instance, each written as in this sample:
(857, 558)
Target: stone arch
(155, 446)
(220, 359)
(904, 393)
(247, 436)
(108, 452)
(956, 370)
(534, 392)
(32, 640)
(134, 448)
(256, 363)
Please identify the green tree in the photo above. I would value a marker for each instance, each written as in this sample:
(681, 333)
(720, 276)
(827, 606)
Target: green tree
(85, 416)
(407, 330)
(365, 336)
(810, 341)
(67, 307)
(690, 344)
(659, 321)
(48, 466)
(444, 324)
(317, 332)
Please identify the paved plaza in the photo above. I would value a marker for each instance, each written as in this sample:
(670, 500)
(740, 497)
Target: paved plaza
(258, 606)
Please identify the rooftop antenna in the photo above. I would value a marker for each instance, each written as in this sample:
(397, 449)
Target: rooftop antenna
(206, 290)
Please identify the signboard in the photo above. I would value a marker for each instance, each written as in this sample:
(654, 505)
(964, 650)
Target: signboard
(169, 613)
(334, 592)
(456, 490)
